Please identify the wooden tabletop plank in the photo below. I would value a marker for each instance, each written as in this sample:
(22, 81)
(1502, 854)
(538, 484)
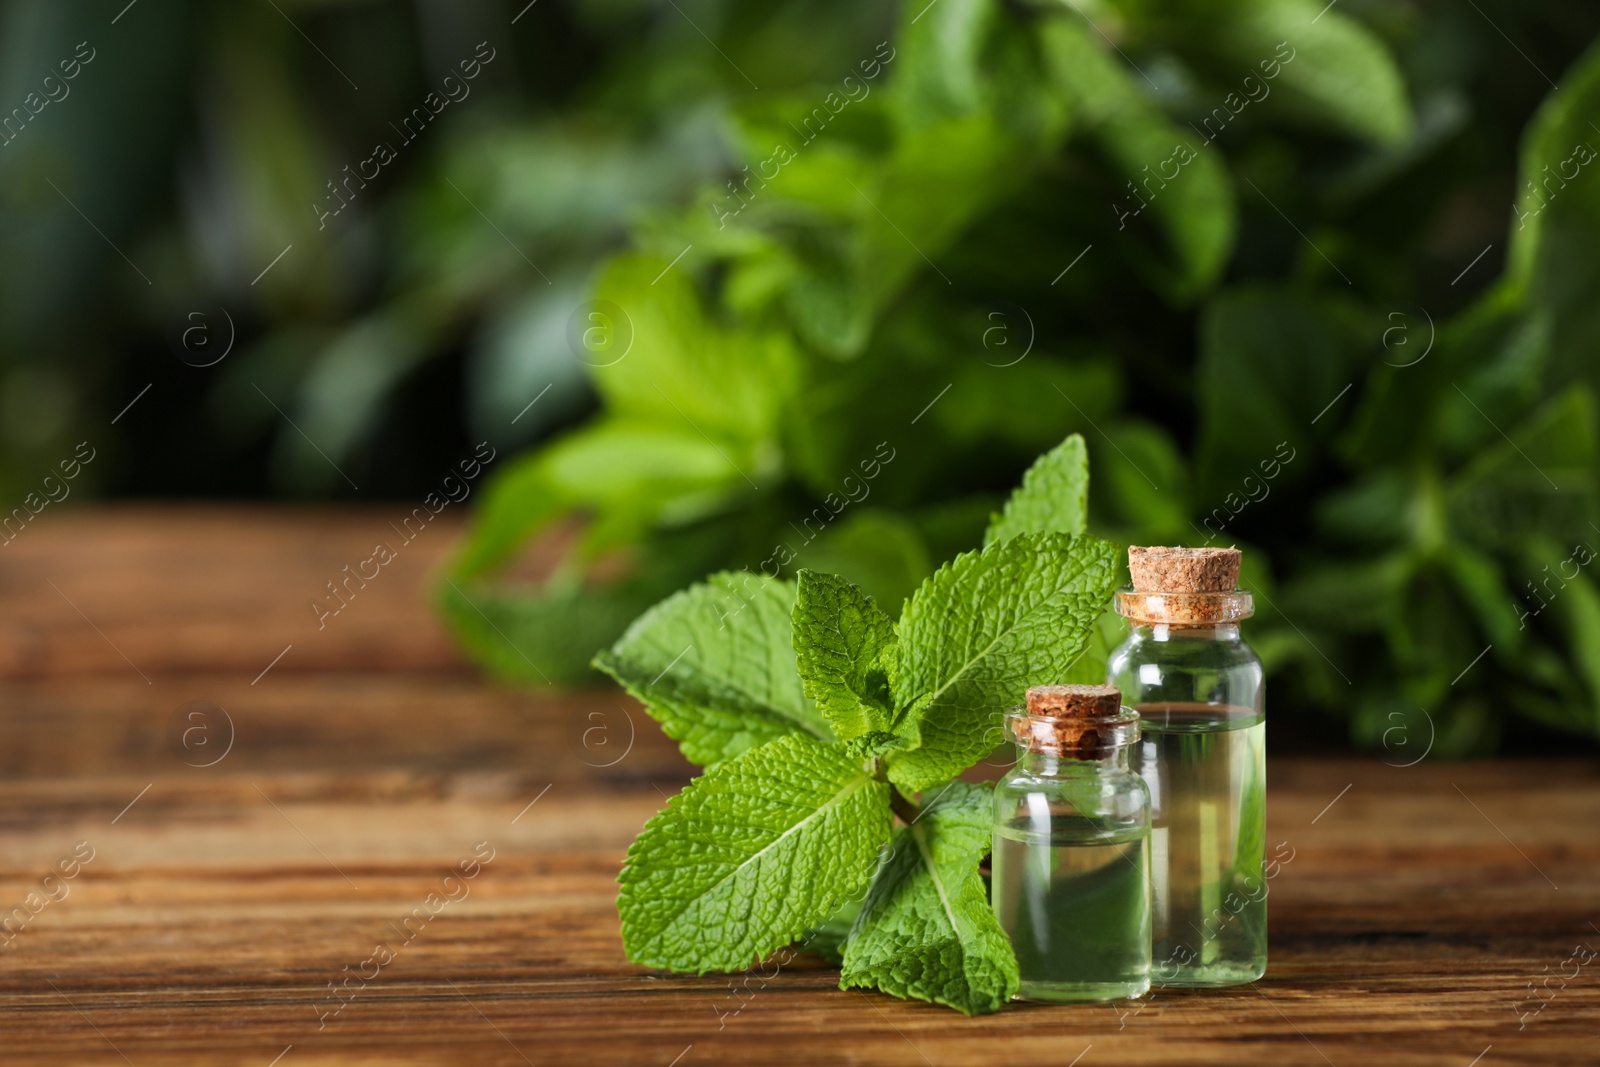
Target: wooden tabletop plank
(145, 591)
(222, 900)
(214, 913)
(306, 721)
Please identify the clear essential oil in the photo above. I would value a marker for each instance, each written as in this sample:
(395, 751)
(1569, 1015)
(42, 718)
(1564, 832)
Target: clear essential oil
(1198, 689)
(1205, 769)
(1071, 877)
(1074, 903)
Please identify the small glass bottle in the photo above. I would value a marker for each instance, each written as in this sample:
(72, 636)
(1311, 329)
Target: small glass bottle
(1198, 690)
(1071, 875)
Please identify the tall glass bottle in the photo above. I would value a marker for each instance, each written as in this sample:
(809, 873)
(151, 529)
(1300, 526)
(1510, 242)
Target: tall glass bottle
(1197, 687)
(1071, 882)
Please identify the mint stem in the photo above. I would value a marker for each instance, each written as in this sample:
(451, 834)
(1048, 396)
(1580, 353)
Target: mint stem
(903, 806)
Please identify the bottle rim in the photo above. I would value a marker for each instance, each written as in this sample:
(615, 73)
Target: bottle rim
(1072, 737)
(1184, 609)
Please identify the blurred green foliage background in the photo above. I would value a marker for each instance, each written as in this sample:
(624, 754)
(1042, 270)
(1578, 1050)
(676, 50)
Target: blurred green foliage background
(810, 283)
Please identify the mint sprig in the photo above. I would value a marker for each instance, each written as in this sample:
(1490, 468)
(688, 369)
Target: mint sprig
(820, 719)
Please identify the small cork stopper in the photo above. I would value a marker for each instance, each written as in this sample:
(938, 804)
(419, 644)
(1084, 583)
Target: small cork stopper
(1075, 721)
(1184, 570)
(1075, 701)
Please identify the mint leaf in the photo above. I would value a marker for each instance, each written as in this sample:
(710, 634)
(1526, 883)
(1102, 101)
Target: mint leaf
(750, 855)
(983, 629)
(1053, 497)
(629, 471)
(1111, 106)
(845, 650)
(715, 666)
(1255, 407)
(940, 74)
(926, 929)
(657, 354)
(1551, 245)
(1334, 71)
(1510, 490)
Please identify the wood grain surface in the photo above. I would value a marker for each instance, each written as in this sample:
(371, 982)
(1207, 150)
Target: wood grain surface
(1423, 907)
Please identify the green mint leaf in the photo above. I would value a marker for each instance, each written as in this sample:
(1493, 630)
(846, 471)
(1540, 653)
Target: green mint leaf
(750, 855)
(655, 353)
(983, 629)
(628, 471)
(845, 650)
(1334, 73)
(1197, 214)
(926, 929)
(1500, 505)
(941, 63)
(1053, 497)
(715, 666)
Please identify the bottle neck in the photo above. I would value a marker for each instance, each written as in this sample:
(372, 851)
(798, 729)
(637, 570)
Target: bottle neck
(1222, 632)
(1045, 765)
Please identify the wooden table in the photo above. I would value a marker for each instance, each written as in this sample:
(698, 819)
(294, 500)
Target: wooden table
(367, 761)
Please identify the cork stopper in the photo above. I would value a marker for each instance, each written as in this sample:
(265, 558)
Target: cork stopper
(1088, 702)
(1184, 570)
(1085, 722)
(1184, 587)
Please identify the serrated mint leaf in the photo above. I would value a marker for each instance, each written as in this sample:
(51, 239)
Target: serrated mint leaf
(926, 929)
(1053, 497)
(749, 856)
(715, 666)
(982, 630)
(844, 648)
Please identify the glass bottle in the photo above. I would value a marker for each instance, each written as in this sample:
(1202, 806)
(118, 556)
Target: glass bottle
(1071, 876)
(1197, 687)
